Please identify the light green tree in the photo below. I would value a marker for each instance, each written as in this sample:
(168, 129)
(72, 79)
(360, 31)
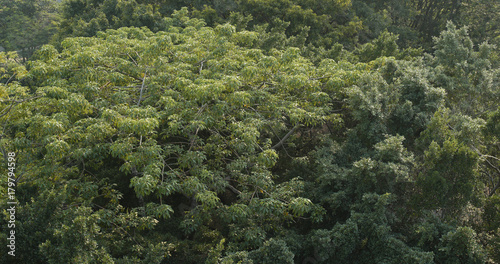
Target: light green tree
(129, 125)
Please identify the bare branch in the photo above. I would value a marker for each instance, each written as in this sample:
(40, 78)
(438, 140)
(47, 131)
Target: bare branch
(122, 72)
(234, 190)
(142, 87)
(104, 85)
(318, 78)
(493, 166)
(483, 155)
(4, 153)
(494, 189)
(10, 78)
(201, 65)
(14, 103)
(493, 157)
(133, 60)
(8, 109)
(279, 144)
(193, 139)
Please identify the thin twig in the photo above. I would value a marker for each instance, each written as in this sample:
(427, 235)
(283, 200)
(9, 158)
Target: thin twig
(319, 78)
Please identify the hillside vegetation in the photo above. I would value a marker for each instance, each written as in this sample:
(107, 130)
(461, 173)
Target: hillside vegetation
(250, 131)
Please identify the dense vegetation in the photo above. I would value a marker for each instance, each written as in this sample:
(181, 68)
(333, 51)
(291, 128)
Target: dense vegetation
(251, 131)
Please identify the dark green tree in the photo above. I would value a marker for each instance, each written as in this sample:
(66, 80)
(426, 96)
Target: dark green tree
(26, 25)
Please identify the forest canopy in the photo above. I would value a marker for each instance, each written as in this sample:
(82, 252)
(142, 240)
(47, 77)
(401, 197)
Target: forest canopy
(283, 131)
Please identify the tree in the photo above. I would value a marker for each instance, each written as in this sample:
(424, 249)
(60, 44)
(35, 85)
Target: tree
(26, 25)
(161, 136)
(131, 124)
(480, 16)
(361, 202)
(86, 18)
(465, 72)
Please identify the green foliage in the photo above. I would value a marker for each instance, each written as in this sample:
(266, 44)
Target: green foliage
(460, 246)
(273, 251)
(397, 98)
(171, 120)
(480, 16)
(366, 231)
(11, 69)
(86, 18)
(448, 176)
(283, 131)
(465, 73)
(27, 24)
(385, 45)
